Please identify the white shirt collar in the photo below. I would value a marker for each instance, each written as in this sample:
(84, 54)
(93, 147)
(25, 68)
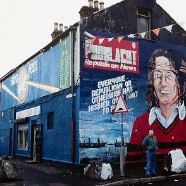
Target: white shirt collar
(155, 113)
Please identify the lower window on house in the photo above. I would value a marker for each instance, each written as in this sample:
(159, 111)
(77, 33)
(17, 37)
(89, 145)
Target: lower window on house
(22, 136)
(50, 120)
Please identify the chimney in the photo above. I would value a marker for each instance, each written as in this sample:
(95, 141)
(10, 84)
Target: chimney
(61, 27)
(101, 5)
(55, 26)
(57, 32)
(87, 11)
(90, 2)
(96, 5)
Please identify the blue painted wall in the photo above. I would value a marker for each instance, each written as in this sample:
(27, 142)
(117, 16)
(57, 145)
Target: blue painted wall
(6, 124)
(47, 73)
(56, 143)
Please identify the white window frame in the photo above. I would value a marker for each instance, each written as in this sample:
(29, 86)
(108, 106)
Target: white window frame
(144, 15)
(22, 136)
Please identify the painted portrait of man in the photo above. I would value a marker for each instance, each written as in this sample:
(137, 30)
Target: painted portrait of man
(166, 114)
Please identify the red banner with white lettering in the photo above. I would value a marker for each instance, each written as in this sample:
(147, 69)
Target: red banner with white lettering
(112, 54)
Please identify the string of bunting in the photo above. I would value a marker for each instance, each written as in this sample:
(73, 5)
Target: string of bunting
(155, 31)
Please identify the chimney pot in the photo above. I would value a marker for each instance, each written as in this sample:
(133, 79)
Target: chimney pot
(55, 26)
(101, 5)
(96, 4)
(90, 3)
(61, 27)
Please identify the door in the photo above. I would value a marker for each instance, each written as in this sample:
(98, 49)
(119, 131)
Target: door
(37, 143)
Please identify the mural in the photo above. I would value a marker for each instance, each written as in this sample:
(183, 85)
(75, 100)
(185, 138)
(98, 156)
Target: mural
(108, 70)
(166, 100)
(47, 73)
(146, 89)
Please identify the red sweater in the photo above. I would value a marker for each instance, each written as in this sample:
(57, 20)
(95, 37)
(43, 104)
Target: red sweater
(168, 139)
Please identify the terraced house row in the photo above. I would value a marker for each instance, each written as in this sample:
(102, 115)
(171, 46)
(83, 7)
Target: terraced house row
(98, 85)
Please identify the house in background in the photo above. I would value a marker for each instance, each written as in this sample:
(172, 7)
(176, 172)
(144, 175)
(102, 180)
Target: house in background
(57, 105)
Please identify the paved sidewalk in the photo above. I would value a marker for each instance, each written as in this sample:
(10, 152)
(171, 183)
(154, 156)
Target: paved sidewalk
(61, 174)
(135, 175)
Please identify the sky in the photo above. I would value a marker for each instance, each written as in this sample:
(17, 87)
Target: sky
(26, 25)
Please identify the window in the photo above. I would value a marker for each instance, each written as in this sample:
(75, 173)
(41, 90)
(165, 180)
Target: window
(22, 136)
(143, 22)
(50, 120)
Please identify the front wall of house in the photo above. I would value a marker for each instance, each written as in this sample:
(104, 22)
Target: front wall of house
(112, 67)
(56, 142)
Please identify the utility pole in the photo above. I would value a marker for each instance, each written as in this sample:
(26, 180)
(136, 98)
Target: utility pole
(120, 108)
(122, 163)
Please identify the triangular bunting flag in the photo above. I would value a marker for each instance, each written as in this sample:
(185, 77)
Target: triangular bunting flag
(143, 34)
(110, 39)
(92, 41)
(131, 35)
(120, 38)
(169, 28)
(101, 40)
(88, 35)
(156, 31)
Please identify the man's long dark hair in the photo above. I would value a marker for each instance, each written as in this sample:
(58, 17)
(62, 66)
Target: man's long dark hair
(178, 62)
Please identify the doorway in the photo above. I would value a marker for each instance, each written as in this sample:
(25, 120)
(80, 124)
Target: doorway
(37, 142)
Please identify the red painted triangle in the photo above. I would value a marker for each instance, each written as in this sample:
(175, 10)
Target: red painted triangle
(120, 106)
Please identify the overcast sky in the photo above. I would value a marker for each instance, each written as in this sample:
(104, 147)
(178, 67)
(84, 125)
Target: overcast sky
(26, 25)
